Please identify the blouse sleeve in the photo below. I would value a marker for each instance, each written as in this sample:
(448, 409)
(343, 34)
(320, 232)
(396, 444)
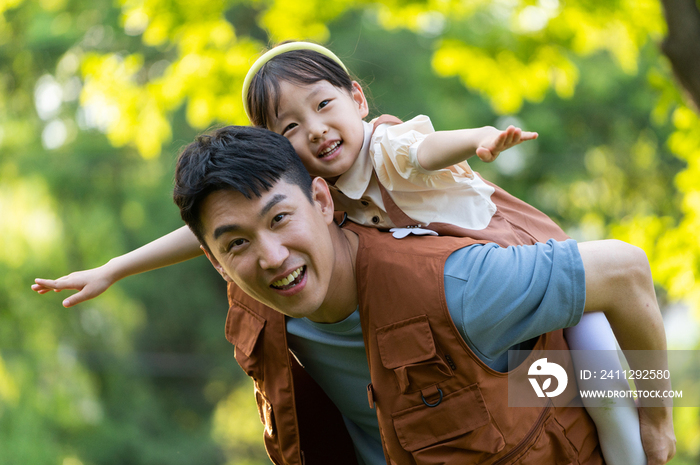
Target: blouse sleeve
(394, 151)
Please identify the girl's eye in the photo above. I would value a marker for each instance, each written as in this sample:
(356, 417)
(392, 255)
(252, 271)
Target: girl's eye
(323, 104)
(289, 127)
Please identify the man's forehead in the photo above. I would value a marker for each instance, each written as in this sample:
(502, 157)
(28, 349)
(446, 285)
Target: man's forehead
(227, 204)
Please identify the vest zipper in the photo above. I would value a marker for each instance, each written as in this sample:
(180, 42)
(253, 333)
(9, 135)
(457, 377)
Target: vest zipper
(525, 442)
(450, 362)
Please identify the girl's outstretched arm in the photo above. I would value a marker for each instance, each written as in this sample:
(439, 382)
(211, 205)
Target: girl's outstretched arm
(446, 148)
(170, 249)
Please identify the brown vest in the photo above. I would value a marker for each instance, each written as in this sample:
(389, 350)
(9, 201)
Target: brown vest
(416, 358)
(436, 401)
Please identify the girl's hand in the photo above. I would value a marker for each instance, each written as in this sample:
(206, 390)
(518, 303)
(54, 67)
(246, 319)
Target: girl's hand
(493, 145)
(89, 283)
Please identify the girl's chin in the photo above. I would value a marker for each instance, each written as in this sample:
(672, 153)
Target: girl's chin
(332, 171)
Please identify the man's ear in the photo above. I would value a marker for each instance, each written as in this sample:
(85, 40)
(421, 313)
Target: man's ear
(216, 264)
(358, 95)
(321, 196)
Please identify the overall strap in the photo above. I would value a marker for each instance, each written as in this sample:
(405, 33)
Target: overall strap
(398, 217)
(385, 119)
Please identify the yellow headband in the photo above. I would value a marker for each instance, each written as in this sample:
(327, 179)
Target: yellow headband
(279, 50)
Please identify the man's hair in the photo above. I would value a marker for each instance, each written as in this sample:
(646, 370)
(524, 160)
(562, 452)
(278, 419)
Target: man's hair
(236, 158)
(301, 67)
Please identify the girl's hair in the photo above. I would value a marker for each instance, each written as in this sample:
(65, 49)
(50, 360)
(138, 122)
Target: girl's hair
(301, 67)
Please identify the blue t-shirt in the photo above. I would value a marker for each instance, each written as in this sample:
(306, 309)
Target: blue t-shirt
(499, 298)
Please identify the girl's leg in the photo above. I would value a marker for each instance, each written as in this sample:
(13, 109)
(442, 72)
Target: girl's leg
(594, 348)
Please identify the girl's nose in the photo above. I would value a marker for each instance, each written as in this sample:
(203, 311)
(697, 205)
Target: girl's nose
(317, 130)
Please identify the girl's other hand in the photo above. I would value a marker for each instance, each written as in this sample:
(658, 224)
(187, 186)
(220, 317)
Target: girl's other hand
(499, 141)
(89, 283)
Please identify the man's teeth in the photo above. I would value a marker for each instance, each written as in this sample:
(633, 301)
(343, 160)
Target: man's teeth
(329, 149)
(289, 278)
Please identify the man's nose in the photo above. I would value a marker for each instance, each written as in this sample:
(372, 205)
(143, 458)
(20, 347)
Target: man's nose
(272, 253)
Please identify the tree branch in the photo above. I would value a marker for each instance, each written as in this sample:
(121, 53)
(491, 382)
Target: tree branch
(682, 45)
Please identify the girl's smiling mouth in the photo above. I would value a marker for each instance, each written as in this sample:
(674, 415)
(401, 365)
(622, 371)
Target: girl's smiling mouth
(329, 150)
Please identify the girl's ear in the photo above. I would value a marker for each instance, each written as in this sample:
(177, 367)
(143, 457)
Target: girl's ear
(359, 97)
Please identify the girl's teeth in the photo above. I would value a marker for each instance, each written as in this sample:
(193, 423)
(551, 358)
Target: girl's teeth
(330, 149)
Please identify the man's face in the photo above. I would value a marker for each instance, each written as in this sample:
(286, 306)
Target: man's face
(277, 248)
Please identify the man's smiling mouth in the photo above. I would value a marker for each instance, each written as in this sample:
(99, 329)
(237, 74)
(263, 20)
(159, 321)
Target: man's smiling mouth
(291, 280)
(330, 149)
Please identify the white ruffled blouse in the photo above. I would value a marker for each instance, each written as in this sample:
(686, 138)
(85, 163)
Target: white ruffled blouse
(454, 195)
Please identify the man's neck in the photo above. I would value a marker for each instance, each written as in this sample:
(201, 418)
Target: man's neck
(342, 296)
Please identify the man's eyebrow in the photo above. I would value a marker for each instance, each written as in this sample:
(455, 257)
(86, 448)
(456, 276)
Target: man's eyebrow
(224, 229)
(271, 203)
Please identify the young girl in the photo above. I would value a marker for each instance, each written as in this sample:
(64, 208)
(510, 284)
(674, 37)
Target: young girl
(400, 176)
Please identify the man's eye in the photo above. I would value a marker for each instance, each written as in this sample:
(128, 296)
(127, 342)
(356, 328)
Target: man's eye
(289, 127)
(236, 243)
(278, 218)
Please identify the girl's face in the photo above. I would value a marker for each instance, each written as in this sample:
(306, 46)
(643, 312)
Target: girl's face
(323, 123)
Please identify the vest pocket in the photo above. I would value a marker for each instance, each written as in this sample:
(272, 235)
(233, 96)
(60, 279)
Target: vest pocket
(550, 446)
(408, 348)
(243, 329)
(459, 428)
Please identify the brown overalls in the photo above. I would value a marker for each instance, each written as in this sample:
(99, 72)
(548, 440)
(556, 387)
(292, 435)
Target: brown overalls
(514, 223)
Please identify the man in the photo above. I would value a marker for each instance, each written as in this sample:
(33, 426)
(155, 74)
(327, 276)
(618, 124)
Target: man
(339, 298)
